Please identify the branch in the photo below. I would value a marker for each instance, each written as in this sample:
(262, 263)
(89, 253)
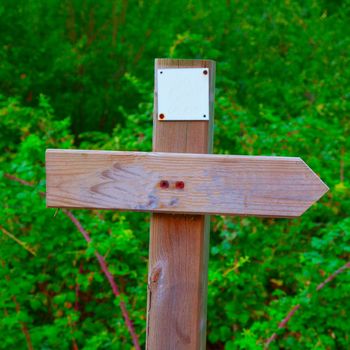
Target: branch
(282, 324)
(21, 243)
(333, 275)
(291, 313)
(104, 268)
(101, 260)
(17, 179)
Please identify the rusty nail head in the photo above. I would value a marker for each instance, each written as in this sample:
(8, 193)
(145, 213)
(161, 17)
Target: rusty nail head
(180, 185)
(164, 184)
(161, 116)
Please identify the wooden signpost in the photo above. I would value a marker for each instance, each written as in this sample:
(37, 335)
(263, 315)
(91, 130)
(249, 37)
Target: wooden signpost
(181, 184)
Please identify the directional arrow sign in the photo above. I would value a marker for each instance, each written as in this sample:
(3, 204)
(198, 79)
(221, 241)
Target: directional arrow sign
(181, 183)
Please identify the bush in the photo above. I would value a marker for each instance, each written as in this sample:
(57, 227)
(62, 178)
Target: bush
(282, 89)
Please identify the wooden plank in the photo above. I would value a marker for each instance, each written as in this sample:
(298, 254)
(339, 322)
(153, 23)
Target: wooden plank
(179, 244)
(213, 184)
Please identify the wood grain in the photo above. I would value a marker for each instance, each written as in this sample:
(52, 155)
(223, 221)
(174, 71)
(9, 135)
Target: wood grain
(213, 184)
(233, 185)
(179, 244)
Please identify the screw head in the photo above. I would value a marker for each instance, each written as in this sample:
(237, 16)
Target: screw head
(180, 185)
(205, 72)
(161, 116)
(164, 184)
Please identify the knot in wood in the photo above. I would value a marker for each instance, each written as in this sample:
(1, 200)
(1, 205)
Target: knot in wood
(155, 274)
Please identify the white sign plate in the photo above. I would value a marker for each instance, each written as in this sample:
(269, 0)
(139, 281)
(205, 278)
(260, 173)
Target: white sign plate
(183, 94)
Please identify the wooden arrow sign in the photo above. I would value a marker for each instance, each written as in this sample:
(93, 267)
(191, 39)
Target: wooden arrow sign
(181, 183)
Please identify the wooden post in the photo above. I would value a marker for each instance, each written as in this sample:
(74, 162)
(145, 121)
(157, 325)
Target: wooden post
(179, 244)
(208, 184)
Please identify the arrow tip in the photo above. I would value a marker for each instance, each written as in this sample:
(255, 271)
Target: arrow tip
(319, 188)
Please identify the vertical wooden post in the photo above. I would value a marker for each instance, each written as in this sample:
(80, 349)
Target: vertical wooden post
(179, 244)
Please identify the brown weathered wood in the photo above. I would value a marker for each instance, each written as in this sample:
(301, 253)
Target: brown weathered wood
(234, 185)
(179, 244)
(213, 184)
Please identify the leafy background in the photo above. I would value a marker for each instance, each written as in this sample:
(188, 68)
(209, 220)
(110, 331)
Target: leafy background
(79, 74)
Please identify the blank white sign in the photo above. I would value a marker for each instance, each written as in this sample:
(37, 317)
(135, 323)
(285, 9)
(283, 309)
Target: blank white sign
(183, 94)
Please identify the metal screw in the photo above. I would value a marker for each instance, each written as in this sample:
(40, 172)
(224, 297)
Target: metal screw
(205, 72)
(164, 184)
(161, 116)
(180, 185)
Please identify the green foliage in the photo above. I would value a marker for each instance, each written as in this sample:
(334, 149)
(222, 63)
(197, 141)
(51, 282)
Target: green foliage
(282, 89)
